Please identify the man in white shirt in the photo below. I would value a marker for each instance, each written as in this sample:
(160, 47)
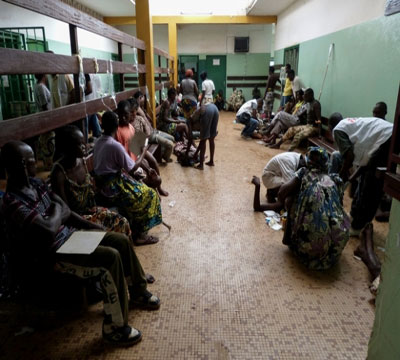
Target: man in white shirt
(207, 88)
(247, 115)
(363, 143)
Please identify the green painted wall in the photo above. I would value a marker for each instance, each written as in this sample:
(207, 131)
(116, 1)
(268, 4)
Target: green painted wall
(246, 65)
(384, 343)
(363, 71)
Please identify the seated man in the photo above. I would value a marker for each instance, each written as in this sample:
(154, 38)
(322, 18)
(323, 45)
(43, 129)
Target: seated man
(41, 223)
(247, 115)
(301, 132)
(230, 103)
(238, 101)
(279, 170)
(284, 120)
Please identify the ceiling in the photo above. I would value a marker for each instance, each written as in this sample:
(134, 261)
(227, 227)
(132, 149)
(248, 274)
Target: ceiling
(270, 7)
(174, 7)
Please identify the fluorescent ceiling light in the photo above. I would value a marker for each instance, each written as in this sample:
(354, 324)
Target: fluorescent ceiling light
(133, 2)
(196, 13)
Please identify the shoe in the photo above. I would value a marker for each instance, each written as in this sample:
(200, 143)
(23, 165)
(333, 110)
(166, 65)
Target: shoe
(123, 336)
(145, 300)
(246, 137)
(355, 232)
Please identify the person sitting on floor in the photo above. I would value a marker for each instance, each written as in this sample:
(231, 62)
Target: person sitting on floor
(247, 115)
(190, 92)
(143, 121)
(124, 135)
(278, 171)
(231, 101)
(284, 120)
(70, 179)
(363, 144)
(302, 132)
(40, 222)
(167, 119)
(238, 101)
(207, 116)
(219, 100)
(317, 228)
(114, 169)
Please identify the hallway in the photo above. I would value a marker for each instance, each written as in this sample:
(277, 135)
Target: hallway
(229, 288)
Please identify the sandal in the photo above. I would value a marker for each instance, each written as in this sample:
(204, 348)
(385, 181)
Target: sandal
(146, 300)
(146, 240)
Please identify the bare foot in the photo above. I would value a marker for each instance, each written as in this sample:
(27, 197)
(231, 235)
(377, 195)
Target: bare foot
(162, 192)
(199, 167)
(255, 180)
(210, 163)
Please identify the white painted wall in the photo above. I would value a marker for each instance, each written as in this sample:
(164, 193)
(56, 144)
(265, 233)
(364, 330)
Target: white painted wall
(210, 39)
(309, 19)
(14, 16)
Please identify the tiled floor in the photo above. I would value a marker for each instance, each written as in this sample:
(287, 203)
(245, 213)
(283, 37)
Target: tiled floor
(229, 288)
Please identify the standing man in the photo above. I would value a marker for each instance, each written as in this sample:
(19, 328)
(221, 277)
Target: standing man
(247, 115)
(363, 143)
(273, 78)
(287, 90)
(207, 88)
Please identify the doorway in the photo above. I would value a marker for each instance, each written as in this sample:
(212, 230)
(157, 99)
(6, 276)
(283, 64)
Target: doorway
(216, 71)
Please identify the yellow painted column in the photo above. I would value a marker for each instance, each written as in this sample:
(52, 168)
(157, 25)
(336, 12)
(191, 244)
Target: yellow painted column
(144, 31)
(173, 48)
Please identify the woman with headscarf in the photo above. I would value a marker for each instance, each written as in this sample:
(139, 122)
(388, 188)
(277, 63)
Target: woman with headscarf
(190, 92)
(318, 227)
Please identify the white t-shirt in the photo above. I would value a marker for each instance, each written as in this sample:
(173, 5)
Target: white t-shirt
(248, 107)
(208, 87)
(280, 169)
(366, 135)
(297, 84)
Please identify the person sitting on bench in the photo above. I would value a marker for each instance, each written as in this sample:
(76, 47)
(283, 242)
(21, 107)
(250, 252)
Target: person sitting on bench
(284, 120)
(124, 135)
(113, 169)
(278, 171)
(41, 223)
(143, 122)
(302, 132)
(70, 179)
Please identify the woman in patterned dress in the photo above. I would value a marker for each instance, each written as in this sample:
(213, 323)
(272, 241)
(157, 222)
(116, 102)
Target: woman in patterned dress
(318, 227)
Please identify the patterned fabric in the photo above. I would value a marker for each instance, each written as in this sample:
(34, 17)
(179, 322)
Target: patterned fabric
(189, 107)
(21, 211)
(298, 134)
(81, 199)
(135, 200)
(47, 144)
(319, 224)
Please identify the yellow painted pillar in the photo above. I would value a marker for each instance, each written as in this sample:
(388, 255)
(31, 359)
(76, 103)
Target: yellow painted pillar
(144, 31)
(173, 48)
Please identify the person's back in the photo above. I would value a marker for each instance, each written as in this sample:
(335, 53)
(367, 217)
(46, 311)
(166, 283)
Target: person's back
(124, 135)
(366, 135)
(188, 89)
(247, 107)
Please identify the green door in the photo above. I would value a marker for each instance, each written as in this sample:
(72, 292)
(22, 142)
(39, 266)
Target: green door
(216, 71)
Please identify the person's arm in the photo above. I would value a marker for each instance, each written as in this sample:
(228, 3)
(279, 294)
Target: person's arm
(196, 90)
(139, 161)
(288, 189)
(57, 180)
(317, 112)
(348, 159)
(169, 119)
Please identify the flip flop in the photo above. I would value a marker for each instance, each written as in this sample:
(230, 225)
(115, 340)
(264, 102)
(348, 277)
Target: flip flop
(148, 240)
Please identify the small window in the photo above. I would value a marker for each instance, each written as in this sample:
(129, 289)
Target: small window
(291, 56)
(241, 44)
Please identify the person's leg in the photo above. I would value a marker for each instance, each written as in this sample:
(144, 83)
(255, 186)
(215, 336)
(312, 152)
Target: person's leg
(202, 147)
(183, 130)
(152, 163)
(212, 151)
(307, 132)
(257, 206)
(370, 189)
(365, 251)
(166, 147)
(289, 134)
(250, 127)
(95, 125)
(335, 163)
